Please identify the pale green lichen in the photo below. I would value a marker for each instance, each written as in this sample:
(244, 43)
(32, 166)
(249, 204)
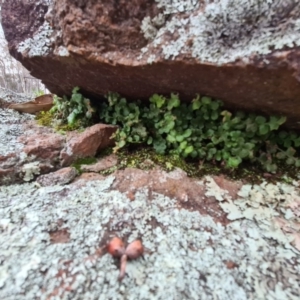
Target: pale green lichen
(274, 208)
(11, 129)
(40, 43)
(31, 169)
(227, 30)
(189, 255)
(150, 26)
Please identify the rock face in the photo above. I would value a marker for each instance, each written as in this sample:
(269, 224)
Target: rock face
(243, 52)
(36, 150)
(62, 176)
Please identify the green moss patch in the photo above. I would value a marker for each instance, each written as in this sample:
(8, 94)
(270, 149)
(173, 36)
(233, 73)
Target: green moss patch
(145, 158)
(83, 161)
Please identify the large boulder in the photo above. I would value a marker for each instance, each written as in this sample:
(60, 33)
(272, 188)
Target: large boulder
(244, 52)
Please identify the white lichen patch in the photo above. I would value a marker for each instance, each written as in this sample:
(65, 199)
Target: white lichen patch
(175, 6)
(61, 51)
(39, 44)
(148, 28)
(275, 208)
(212, 189)
(10, 129)
(190, 256)
(30, 170)
(227, 30)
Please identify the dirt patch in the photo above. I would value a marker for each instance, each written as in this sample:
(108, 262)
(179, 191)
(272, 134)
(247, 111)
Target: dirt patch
(60, 236)
(189, 192)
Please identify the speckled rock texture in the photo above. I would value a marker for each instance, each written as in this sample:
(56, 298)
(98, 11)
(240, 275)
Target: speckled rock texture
(28, 150)
(59, 177)
(53, 239)
(87, 143)
(101, 164)
(244, 52)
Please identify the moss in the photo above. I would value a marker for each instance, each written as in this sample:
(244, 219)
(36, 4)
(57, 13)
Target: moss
(46, 118)
(145, 158)
(83, 161)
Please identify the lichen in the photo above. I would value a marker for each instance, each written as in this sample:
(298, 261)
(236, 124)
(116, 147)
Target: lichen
(39, 44)
(150, 26)
(148, 29)
(189, 256)
(227, 30)
(176, 6)
(31, 169)
(10, 130)
(61, 51)
(274, 207)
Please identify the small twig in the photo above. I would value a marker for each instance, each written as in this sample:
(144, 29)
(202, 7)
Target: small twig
(122, 267)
